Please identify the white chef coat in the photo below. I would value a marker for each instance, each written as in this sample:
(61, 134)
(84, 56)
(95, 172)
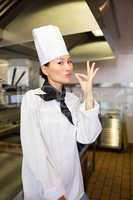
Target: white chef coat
(51, 166)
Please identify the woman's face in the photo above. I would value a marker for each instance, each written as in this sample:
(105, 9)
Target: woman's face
(59, 70)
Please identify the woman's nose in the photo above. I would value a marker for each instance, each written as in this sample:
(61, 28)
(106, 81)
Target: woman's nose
(68, 66)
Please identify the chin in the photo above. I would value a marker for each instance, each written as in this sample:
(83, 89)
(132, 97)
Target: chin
(67, 81)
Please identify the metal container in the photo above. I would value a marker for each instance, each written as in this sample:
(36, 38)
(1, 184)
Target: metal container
(111, 135)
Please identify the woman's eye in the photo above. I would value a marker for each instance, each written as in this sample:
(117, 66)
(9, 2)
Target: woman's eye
(69, 61)
(60, 63)
(63, 63)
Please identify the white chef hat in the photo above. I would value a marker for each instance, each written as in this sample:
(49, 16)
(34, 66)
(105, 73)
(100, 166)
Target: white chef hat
(49, 43)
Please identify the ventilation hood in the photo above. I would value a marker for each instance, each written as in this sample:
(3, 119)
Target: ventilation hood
(74, 18)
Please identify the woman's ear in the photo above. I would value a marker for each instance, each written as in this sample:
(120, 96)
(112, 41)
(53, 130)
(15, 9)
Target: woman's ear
(44, 70)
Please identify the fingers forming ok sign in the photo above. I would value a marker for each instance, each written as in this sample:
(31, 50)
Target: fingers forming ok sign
(86, 80)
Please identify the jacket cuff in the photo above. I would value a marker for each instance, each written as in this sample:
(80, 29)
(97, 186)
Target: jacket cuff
(94, 110)
(54, 193)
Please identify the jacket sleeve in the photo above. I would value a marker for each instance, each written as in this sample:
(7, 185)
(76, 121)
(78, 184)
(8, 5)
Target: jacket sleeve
(35, 151)
(88, 124)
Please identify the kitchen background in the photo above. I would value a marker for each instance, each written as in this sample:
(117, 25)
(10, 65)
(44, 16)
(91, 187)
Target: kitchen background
(99, 31)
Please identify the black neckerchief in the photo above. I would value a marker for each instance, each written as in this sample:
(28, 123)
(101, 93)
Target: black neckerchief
(51, 93)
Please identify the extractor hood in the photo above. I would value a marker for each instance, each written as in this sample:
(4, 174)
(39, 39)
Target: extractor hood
(74, 18)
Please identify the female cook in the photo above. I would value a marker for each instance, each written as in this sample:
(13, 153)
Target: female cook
(53, 121)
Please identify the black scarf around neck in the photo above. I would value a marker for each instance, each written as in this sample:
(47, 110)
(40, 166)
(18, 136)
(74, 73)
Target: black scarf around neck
(51, 93)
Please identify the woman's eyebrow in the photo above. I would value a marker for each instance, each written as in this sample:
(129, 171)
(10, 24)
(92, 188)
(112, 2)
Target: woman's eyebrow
(63, 58)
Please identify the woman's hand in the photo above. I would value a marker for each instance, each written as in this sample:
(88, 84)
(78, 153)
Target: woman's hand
(86, 84)
(62, 198)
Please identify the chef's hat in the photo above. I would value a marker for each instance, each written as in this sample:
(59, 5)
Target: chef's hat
(49, 43)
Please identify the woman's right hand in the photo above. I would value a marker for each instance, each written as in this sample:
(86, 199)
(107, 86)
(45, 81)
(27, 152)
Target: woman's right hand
(62, 198)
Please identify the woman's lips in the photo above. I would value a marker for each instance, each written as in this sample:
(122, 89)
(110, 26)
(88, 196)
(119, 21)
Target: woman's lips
(68, 75)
